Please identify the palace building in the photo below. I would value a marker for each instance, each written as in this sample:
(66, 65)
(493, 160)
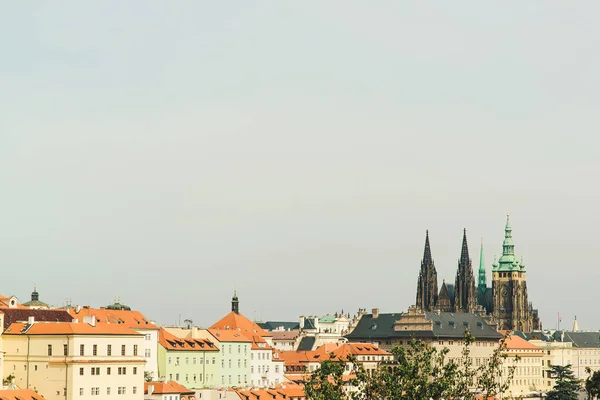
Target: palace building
(506, 301)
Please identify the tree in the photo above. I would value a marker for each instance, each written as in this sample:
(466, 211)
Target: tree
(566, 386)
(327, 381)
(420, 372)
(148, 376)
(592, 383)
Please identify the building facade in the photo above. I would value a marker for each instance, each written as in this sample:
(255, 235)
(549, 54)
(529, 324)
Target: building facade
(75, 361)
(191, 362)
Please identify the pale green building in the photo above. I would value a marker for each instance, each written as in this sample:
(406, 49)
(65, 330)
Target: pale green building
(193, 363)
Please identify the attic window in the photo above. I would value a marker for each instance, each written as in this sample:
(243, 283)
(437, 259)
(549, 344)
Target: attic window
(438, 323)
(479, 324)
(451, 323)
(465, 323)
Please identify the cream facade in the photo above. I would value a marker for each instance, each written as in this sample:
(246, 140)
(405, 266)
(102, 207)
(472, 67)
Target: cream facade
(75, 361)
(527, 360)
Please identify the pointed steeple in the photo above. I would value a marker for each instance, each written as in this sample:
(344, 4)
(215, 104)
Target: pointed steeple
(235, 303)
(507, 260)
(464, 253)
(482, 284)
(427, 260)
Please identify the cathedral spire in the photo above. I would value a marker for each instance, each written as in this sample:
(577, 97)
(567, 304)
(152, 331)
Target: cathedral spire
(464, 253)
(482, 284)
(507, 260)
(427, 260)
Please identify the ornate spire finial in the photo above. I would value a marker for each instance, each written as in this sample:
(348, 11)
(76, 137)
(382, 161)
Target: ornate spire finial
(235, 303)
(427, 259)
(482, 283)
(464, 253)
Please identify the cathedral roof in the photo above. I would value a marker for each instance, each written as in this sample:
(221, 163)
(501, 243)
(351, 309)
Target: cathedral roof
(485, 299)
(444, 325)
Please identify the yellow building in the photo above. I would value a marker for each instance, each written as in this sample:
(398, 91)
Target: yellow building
(528, 360)
(75, 360)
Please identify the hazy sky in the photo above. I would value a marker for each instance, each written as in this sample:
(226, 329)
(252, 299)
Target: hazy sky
(169, 152)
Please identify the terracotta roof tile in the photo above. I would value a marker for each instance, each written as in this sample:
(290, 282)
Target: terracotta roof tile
(225, 335)
(68, 328)
(131, 319)
(169, 387)
(174, 343)
(239, 322)
(20, 394)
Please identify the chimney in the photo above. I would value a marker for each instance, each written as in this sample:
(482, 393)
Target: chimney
(78, 309)
(30, 320)
(150, 390)
(75, 320)
(375, 312)
(301, 322)
(89, 319)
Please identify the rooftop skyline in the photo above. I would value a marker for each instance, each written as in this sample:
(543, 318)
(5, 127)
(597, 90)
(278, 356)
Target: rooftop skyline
(297, 152)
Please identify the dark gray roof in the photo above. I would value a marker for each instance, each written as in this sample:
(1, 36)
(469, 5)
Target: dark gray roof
(485, 299)
(308, 324)
(583, 339)
(272, 325)
(307, 343)
(445, 325)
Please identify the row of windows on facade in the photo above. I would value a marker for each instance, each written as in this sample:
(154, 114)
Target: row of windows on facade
(96, 371)
(239, 349)
(187, 360)
(95, 391)
(95, 350)
(197, 378)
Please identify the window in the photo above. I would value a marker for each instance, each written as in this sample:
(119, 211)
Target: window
(66, 349)
(169, 360)
(81, 349)
(123, 350)
(239, 349)
(135, 370)
(95, 371)
(49, 349)
(121, 390)
(134, 389)
(147, 353)
(108, 371)
(135, 349)
(187, 360)
(95, 350)
(239, 363)
(109, 350)
(108, 390)
(177, 376)
(81, 391)
(148, 336)
(80, 371)
(229, 363)
(95, 391)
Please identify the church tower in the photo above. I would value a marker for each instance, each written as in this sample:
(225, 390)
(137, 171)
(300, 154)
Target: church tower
(427, 287)
(511, 308)
(465, 297)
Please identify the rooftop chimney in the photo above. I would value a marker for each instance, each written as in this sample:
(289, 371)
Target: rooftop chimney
(30, 320)
(375, 312)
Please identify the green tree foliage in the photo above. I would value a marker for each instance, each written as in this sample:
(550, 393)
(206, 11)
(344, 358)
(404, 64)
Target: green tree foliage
(592, 383)
(420, 372)
(327, 382)
(566, 386)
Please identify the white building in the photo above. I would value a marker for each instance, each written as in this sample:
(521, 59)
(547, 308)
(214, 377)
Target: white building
(122, 315)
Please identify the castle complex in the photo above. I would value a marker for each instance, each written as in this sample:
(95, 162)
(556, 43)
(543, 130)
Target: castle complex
(505, 302)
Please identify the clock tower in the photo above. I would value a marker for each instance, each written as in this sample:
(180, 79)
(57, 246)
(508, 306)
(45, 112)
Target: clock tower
(511, 308)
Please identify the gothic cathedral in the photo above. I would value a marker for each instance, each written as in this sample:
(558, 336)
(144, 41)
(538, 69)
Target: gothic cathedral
(506, 301)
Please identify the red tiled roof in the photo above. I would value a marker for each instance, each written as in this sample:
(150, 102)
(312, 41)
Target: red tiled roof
(172, 342)
(235, 321)
(68, 328)
(131, 319)
(225, 335)
(169, 387)
(20, 394)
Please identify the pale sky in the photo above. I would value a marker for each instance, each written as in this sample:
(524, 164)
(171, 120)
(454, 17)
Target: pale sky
(169, 152)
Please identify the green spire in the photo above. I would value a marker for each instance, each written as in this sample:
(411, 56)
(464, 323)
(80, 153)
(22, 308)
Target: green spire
(508, 259)
(482, 284)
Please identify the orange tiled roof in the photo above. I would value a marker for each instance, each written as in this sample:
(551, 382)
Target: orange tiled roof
(20, 394)
(68, 328)
(239, 322)
(169, 387)
(172, 342)
(131, 319)
(225, 335)
(515, 342)
(279, 393)
(330, 352)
